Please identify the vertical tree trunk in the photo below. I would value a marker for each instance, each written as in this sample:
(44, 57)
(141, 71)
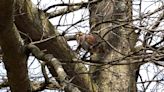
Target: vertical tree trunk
(108, 18)
(14, 57)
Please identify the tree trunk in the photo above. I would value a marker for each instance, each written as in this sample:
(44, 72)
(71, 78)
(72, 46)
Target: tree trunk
(14, 56)
(32, 21)
(108, 20)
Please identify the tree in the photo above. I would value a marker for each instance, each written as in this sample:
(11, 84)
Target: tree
(114, 62)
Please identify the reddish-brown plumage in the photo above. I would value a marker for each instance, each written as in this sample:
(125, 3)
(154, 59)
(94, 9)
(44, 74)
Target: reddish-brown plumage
(86, 41)
(90, 39)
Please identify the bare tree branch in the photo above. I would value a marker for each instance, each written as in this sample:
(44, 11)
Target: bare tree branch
(60, 12)
(49, 59)
(37, 26)
(81, 4)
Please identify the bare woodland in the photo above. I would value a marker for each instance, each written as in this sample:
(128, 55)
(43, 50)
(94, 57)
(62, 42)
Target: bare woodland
(129, 40)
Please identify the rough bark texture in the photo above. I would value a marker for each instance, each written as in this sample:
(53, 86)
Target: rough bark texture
(14, 56)
(118, 78)
(31, 21)
(36, 25)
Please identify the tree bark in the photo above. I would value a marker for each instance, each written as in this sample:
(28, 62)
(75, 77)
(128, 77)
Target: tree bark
(108, 19)
(34, 23)
(14, 56)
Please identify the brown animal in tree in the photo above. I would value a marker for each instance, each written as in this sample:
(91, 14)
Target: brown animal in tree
(86, 41)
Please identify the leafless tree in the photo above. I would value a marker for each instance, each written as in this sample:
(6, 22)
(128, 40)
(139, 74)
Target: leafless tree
(127, 55)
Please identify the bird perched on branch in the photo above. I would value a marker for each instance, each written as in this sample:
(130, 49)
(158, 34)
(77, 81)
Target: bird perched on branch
(85, 41)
